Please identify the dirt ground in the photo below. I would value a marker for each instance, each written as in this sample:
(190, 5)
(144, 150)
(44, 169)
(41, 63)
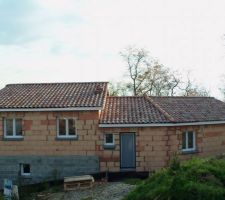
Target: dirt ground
(100, 191)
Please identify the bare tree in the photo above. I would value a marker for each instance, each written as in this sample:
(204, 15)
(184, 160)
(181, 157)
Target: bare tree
(161, 81)
(222, 89)
(147, 75)
(192, 89)
(174, 84)
(118, 89)
(197, 92)
(137, 61)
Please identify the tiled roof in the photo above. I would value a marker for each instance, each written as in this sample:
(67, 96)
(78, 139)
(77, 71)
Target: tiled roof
(192, 109)
(53, 95)
(117, 110)
(130, 110)
(148, 110)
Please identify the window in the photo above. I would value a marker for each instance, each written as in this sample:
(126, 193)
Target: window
(66, 128)
(109, 139)
(188, 141)
(13, 128)
(25, 169)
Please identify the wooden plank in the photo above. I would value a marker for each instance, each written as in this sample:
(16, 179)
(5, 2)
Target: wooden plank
(78, 182)
(79, 178)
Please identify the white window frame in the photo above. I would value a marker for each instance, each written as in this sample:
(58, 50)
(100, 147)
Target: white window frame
(14, 129)
(109, 144)
(22, 169)
(67, 128)
(186, 141)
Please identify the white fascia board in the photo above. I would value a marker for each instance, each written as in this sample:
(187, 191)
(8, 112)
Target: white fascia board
(49, 109)
(159, 125)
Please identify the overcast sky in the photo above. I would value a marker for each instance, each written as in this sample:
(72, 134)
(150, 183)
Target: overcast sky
(80, 40)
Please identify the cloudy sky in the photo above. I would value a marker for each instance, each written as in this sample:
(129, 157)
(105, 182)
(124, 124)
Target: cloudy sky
(79, 40)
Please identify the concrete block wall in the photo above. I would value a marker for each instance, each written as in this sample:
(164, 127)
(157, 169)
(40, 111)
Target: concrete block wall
(151, 149)
(41, 148)
(46, 167)
(154, 145)
(39, 134)
(210, 141)
(110, 158)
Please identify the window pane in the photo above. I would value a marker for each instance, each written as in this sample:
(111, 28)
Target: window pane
(26, 168)
(71, 127)
(109, 138)
(184, 140)
(190, 140)
(62, 127)
(9, 127)
(18, 126)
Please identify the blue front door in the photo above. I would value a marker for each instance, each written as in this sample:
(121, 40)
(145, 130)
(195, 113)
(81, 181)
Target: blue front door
(127, 151)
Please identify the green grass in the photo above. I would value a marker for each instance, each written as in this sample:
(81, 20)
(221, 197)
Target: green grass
(198, 179)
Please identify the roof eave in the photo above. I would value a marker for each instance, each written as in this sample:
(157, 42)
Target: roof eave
(160, 124)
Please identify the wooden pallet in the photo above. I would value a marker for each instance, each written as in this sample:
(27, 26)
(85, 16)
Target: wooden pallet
(78, 182)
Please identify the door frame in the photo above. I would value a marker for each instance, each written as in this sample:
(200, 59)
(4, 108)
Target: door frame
(124, 168)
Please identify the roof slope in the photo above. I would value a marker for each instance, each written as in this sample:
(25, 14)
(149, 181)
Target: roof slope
(130, 110)
(192, 109)
(53, 95)
(158, 110)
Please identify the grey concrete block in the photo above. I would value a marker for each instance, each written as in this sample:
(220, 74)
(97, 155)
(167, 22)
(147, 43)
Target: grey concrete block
(46, 168)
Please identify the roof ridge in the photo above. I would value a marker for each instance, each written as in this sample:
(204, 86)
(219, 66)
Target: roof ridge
(157, 106)
(49, 83)
(179, 97)
(104, 100)
(125, 96)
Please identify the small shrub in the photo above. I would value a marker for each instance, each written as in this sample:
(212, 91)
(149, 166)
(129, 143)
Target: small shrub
(175, 163)
(199, 179)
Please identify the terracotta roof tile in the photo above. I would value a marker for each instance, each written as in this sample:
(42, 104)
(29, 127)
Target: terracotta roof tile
(192, 109)
(130, 110)
(147, 110)
(53, 95)
(117, 110)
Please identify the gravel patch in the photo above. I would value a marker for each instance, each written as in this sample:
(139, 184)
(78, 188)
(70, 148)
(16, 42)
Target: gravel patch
(103, 191)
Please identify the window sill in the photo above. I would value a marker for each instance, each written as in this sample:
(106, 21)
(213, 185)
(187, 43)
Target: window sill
(109, 146)
(190, 152)
(13, 138)
(67, 138)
